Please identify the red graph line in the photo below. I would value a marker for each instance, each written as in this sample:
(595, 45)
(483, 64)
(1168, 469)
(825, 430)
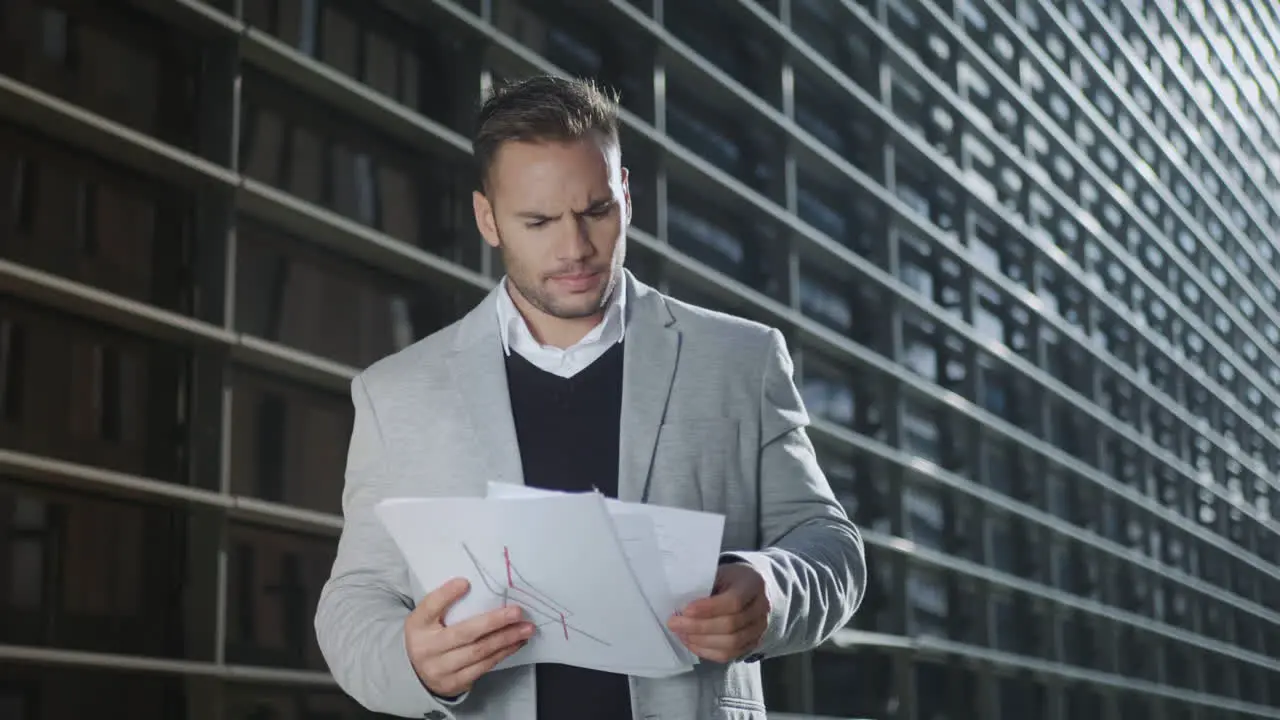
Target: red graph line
(525, 594)
(506, 554)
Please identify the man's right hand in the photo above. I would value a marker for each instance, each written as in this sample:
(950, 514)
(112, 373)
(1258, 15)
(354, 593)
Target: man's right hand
(450, 659)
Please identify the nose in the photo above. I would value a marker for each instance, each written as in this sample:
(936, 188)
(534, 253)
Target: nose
(575, 244)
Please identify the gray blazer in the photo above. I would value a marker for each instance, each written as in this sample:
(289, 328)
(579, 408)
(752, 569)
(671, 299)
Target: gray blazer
(711, 420)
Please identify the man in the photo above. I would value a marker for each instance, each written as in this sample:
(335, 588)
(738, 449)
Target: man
(573, 375)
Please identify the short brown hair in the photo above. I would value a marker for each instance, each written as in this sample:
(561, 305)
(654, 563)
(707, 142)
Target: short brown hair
(542, 108)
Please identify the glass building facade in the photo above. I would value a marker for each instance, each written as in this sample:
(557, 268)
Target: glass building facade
(1024, 253)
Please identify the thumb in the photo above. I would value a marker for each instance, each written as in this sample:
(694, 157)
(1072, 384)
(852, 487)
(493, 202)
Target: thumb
(437, 602)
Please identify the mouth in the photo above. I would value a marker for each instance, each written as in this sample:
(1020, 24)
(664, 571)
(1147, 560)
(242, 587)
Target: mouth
(577, 282)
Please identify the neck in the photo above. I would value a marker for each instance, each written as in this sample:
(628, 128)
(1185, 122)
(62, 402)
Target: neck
(559, 332)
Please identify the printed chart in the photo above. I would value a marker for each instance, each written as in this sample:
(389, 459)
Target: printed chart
(511, 586)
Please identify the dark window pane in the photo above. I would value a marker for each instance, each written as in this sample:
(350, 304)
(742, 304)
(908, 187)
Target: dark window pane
(862, 483)
(1082, 702)
(82, 572)
(724, 240)
(644, 264)
(319, 154)
(749, 152)
(1023, 697)
(65, 213)
(641, 160)
(1135, 707)
(13, 370)
(93, 395)
(842, 395)
(855, 685)
(406, 58)
(54, 692)
(274, 583)
(781, 691)
(584, 39)
(295, 293)
(830, 30)
(289, 443)
(946, 691)
(113, 61)
(252, 702)
(928, 602)
(924, 510)
(845, 127)
(739, 49)
(843, 303)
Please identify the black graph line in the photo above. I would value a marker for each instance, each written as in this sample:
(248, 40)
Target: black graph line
(546, 611)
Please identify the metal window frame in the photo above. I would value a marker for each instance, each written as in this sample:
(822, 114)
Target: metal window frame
(1193, 180)
(692, 60)
(1146, 224)
(1004, 283)
(1212, 45)
(1178, 411)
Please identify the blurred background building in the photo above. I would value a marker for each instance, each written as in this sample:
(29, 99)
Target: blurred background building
(1024, 254)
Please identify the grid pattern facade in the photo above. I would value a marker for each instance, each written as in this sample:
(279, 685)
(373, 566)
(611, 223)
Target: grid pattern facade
(1023, 252)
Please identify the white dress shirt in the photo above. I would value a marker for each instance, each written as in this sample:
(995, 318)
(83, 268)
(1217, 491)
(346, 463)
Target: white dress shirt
(569, 361)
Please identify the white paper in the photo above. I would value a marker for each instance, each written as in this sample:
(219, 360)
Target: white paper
(558, 557)
(688, 543)
(688, 540)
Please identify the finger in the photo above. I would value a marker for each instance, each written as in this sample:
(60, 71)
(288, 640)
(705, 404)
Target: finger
(746, 635)
(726, 603)
(716, 625)
(462, 657)
(433, 606)
(467, 676)
(726, 625)
(725, 648)
(736, 640)
(473, 629)
(712, 654)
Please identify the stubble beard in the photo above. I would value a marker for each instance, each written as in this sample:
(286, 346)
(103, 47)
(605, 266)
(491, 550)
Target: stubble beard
(545, 304)
(548, 305)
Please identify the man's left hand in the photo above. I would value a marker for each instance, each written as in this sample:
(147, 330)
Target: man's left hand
(729, 624)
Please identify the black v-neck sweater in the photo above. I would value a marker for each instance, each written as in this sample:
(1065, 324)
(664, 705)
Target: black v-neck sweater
(568, 432)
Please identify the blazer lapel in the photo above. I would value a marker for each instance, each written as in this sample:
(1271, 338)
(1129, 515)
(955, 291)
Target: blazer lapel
(649, 364)
(479, 374)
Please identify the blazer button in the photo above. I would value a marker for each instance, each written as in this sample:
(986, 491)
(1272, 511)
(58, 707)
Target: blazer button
(434, 715)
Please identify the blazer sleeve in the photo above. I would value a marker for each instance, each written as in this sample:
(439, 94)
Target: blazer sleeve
(811, 555)
(360, 618)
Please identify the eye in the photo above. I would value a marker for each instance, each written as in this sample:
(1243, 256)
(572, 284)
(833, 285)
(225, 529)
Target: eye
(536, 224)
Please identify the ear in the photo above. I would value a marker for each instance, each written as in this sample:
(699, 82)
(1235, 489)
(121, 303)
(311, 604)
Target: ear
(626, 194)
(485, 222)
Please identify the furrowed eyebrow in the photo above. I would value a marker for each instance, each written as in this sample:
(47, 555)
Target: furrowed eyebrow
(594, 207)
(598, 206)
(535, 216)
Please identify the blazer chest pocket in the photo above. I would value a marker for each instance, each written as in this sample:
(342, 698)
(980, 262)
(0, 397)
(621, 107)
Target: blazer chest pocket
(695, 462)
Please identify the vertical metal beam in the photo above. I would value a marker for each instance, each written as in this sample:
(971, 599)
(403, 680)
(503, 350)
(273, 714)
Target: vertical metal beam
(209, 408)
(904, 685)
(662, 185)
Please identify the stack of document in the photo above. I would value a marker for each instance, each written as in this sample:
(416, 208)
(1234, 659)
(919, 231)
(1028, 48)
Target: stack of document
(598, 577)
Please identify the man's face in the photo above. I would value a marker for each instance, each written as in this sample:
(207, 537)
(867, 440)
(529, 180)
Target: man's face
(559, 213)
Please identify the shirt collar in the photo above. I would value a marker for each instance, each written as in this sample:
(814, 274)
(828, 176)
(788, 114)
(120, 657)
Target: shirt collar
(513, 329)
